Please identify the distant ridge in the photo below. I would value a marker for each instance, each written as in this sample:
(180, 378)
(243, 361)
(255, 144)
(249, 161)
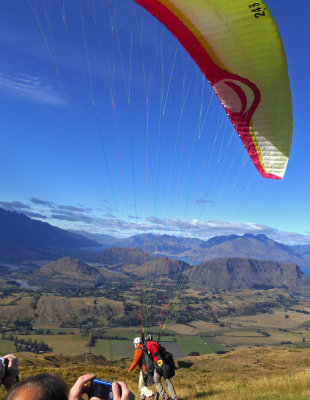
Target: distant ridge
(196, 251)
(245, 273)
(223, 274)
(22, 237)
(72, 269)
(258, 247)
(116, 255)
(165, 244)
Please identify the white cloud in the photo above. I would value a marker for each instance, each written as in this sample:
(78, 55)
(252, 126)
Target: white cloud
(202, 228)
(30, 88)
(14, 206)
(88, 220)
(193, 228)
(205, 201)
(41, 202)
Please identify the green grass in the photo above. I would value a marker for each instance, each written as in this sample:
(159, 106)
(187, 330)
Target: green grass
(270, 373)
(62, 344)
(121, 349)
(214, 344)
(102, 348)
(194, 343)
(242, 333)
(113, 349)
(129, 334)
(6, 346)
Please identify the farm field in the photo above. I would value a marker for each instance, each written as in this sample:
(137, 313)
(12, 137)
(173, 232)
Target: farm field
(62, 344)
(203, 326)
(274, 338)
(195, 344)
(279, 319)
(113, 349)
(182, 329)
(180, 345)
(6, 347)
(278, 328)
(80, 325)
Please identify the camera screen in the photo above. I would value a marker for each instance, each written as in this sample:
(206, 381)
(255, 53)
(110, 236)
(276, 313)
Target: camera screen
(101, 389)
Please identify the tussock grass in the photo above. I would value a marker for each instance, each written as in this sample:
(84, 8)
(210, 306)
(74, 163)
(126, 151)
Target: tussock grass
(270, 373)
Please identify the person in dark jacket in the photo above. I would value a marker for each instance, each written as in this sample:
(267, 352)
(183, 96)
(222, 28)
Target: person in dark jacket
(153, 348)
(146, 392)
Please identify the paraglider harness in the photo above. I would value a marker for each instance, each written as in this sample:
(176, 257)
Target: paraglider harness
(148, 363)
(164, 365)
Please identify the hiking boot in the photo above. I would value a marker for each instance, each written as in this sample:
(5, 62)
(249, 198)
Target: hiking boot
(154, 396)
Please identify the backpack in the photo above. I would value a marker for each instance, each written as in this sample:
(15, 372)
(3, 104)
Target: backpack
(148, 362)
(165, 365)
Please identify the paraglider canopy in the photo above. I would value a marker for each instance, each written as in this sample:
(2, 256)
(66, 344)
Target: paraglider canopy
(238, 48)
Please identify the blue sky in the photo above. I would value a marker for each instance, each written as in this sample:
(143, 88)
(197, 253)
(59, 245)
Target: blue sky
(108, 126)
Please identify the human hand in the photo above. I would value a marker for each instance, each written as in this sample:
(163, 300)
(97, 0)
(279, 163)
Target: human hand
(9, 375)
(121, 391)
(13, 361)
(81, 387)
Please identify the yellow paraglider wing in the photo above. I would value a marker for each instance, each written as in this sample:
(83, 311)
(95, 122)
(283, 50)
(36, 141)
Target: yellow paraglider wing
(237, 46)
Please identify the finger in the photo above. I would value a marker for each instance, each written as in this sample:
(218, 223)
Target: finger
(124, 390)
(12, 360)
(116, 390)
(82, 381)
(95, 398)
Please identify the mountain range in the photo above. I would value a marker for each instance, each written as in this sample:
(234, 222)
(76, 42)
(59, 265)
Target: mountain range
(244, 273)
(196, 251)
(222, 274)
(23, 238)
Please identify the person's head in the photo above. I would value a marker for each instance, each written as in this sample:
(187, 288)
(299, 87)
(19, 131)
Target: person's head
(136, 342)
(39, 387)
(148, 337)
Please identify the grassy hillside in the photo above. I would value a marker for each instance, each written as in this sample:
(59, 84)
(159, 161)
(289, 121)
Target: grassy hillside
(270, 373)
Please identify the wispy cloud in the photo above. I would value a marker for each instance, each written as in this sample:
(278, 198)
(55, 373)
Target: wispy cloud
(205, 201)
(133, 217)
(31, 214)
(79, 217)
(73, 209)
(207, 228)
(110, 215)
(74, 217)
(31, 88)
(21, 208)
(110, 224)
(14, 206)
(41, 202)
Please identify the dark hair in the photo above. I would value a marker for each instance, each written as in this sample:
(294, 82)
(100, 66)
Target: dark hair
(148, 337)
(51, 387)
